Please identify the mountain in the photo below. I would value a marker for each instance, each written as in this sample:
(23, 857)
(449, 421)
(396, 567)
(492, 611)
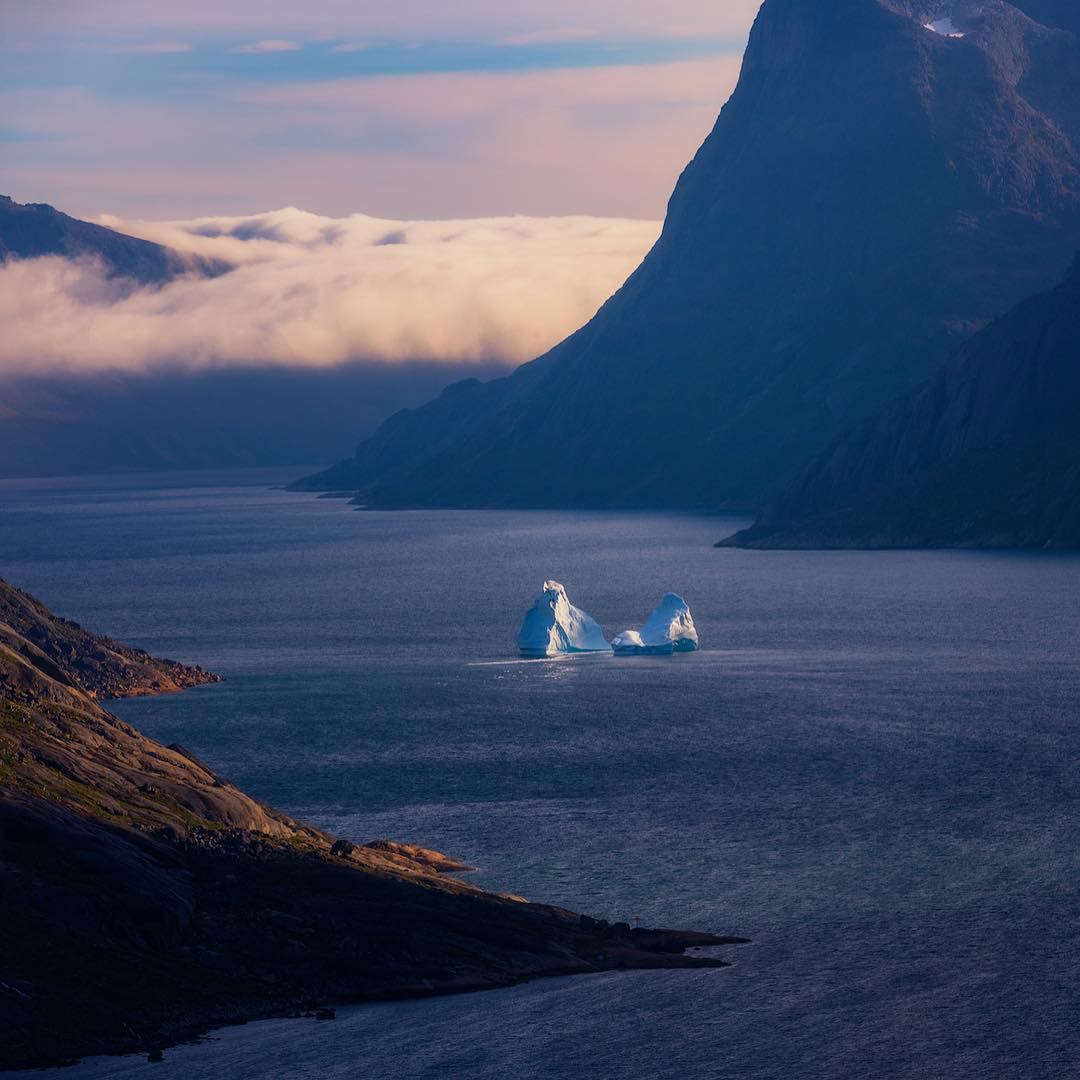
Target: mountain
(1063, 14)
(873, 193)
(986, 454)
(230, 417)
(144, 899)
(30, 230)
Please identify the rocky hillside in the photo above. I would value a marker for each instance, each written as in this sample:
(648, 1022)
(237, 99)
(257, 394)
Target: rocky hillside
(144, 899)
(99, 666)
(986, 454)
(875, 191)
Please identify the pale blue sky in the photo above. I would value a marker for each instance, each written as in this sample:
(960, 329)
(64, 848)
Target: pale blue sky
(408, 109)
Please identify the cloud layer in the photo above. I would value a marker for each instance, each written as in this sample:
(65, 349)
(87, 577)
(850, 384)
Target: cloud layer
(319, 291)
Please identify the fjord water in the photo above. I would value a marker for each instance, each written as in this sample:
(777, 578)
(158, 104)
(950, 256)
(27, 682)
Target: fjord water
(870, 769)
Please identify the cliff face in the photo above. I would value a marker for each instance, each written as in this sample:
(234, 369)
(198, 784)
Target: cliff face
(872, 194)
(143, 898)
(986, 454)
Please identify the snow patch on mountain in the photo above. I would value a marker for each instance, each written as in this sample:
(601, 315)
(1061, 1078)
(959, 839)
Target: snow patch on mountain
(945, 27)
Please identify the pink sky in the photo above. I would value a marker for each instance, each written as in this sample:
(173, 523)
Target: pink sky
(408, 110)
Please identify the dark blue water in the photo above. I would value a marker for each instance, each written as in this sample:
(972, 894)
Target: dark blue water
(871, 770)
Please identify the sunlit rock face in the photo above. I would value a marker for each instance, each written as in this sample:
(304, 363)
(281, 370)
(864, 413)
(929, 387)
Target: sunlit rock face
(553, 627)
(670, 628)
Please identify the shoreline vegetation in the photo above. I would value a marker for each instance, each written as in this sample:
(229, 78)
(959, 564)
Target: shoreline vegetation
(144, 900)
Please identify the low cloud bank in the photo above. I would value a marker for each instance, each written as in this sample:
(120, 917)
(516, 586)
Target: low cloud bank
(316, 291)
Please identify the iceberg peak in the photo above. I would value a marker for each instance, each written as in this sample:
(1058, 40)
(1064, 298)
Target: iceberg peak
(553, 626)
(670, 628)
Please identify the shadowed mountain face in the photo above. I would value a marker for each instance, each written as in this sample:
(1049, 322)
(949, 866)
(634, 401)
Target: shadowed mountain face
(35, 229)
(69, 424)
(1063, 14)
(144, 899)
(872, 194)
(986, 454)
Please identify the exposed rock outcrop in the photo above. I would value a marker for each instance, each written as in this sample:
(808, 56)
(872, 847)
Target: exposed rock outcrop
(100, 666)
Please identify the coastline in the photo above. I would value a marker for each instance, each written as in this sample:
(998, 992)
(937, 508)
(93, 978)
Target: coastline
(148, 901)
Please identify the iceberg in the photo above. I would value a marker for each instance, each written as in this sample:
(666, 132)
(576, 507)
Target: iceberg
(669, 629)
(553, 626)
(628, 643)
(671, 624)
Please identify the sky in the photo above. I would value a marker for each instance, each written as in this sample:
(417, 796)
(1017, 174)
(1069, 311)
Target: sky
(522, 154)
(397, 108)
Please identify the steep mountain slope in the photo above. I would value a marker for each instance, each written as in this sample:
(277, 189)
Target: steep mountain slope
(873, 192)
(30, 230)
(143, 898)
(986, 454)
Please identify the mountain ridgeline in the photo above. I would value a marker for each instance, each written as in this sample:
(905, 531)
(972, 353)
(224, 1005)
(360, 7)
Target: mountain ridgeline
(32, 230)
(874, 192)
(985, 454)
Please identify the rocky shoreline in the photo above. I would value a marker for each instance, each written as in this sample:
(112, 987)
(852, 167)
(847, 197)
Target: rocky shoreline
(145, 900)
(101, 667)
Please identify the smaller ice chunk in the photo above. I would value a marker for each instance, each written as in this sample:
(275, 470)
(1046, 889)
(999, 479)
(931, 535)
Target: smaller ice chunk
(670, 625)
(628, 643)
(553, 626)
(944, 27)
